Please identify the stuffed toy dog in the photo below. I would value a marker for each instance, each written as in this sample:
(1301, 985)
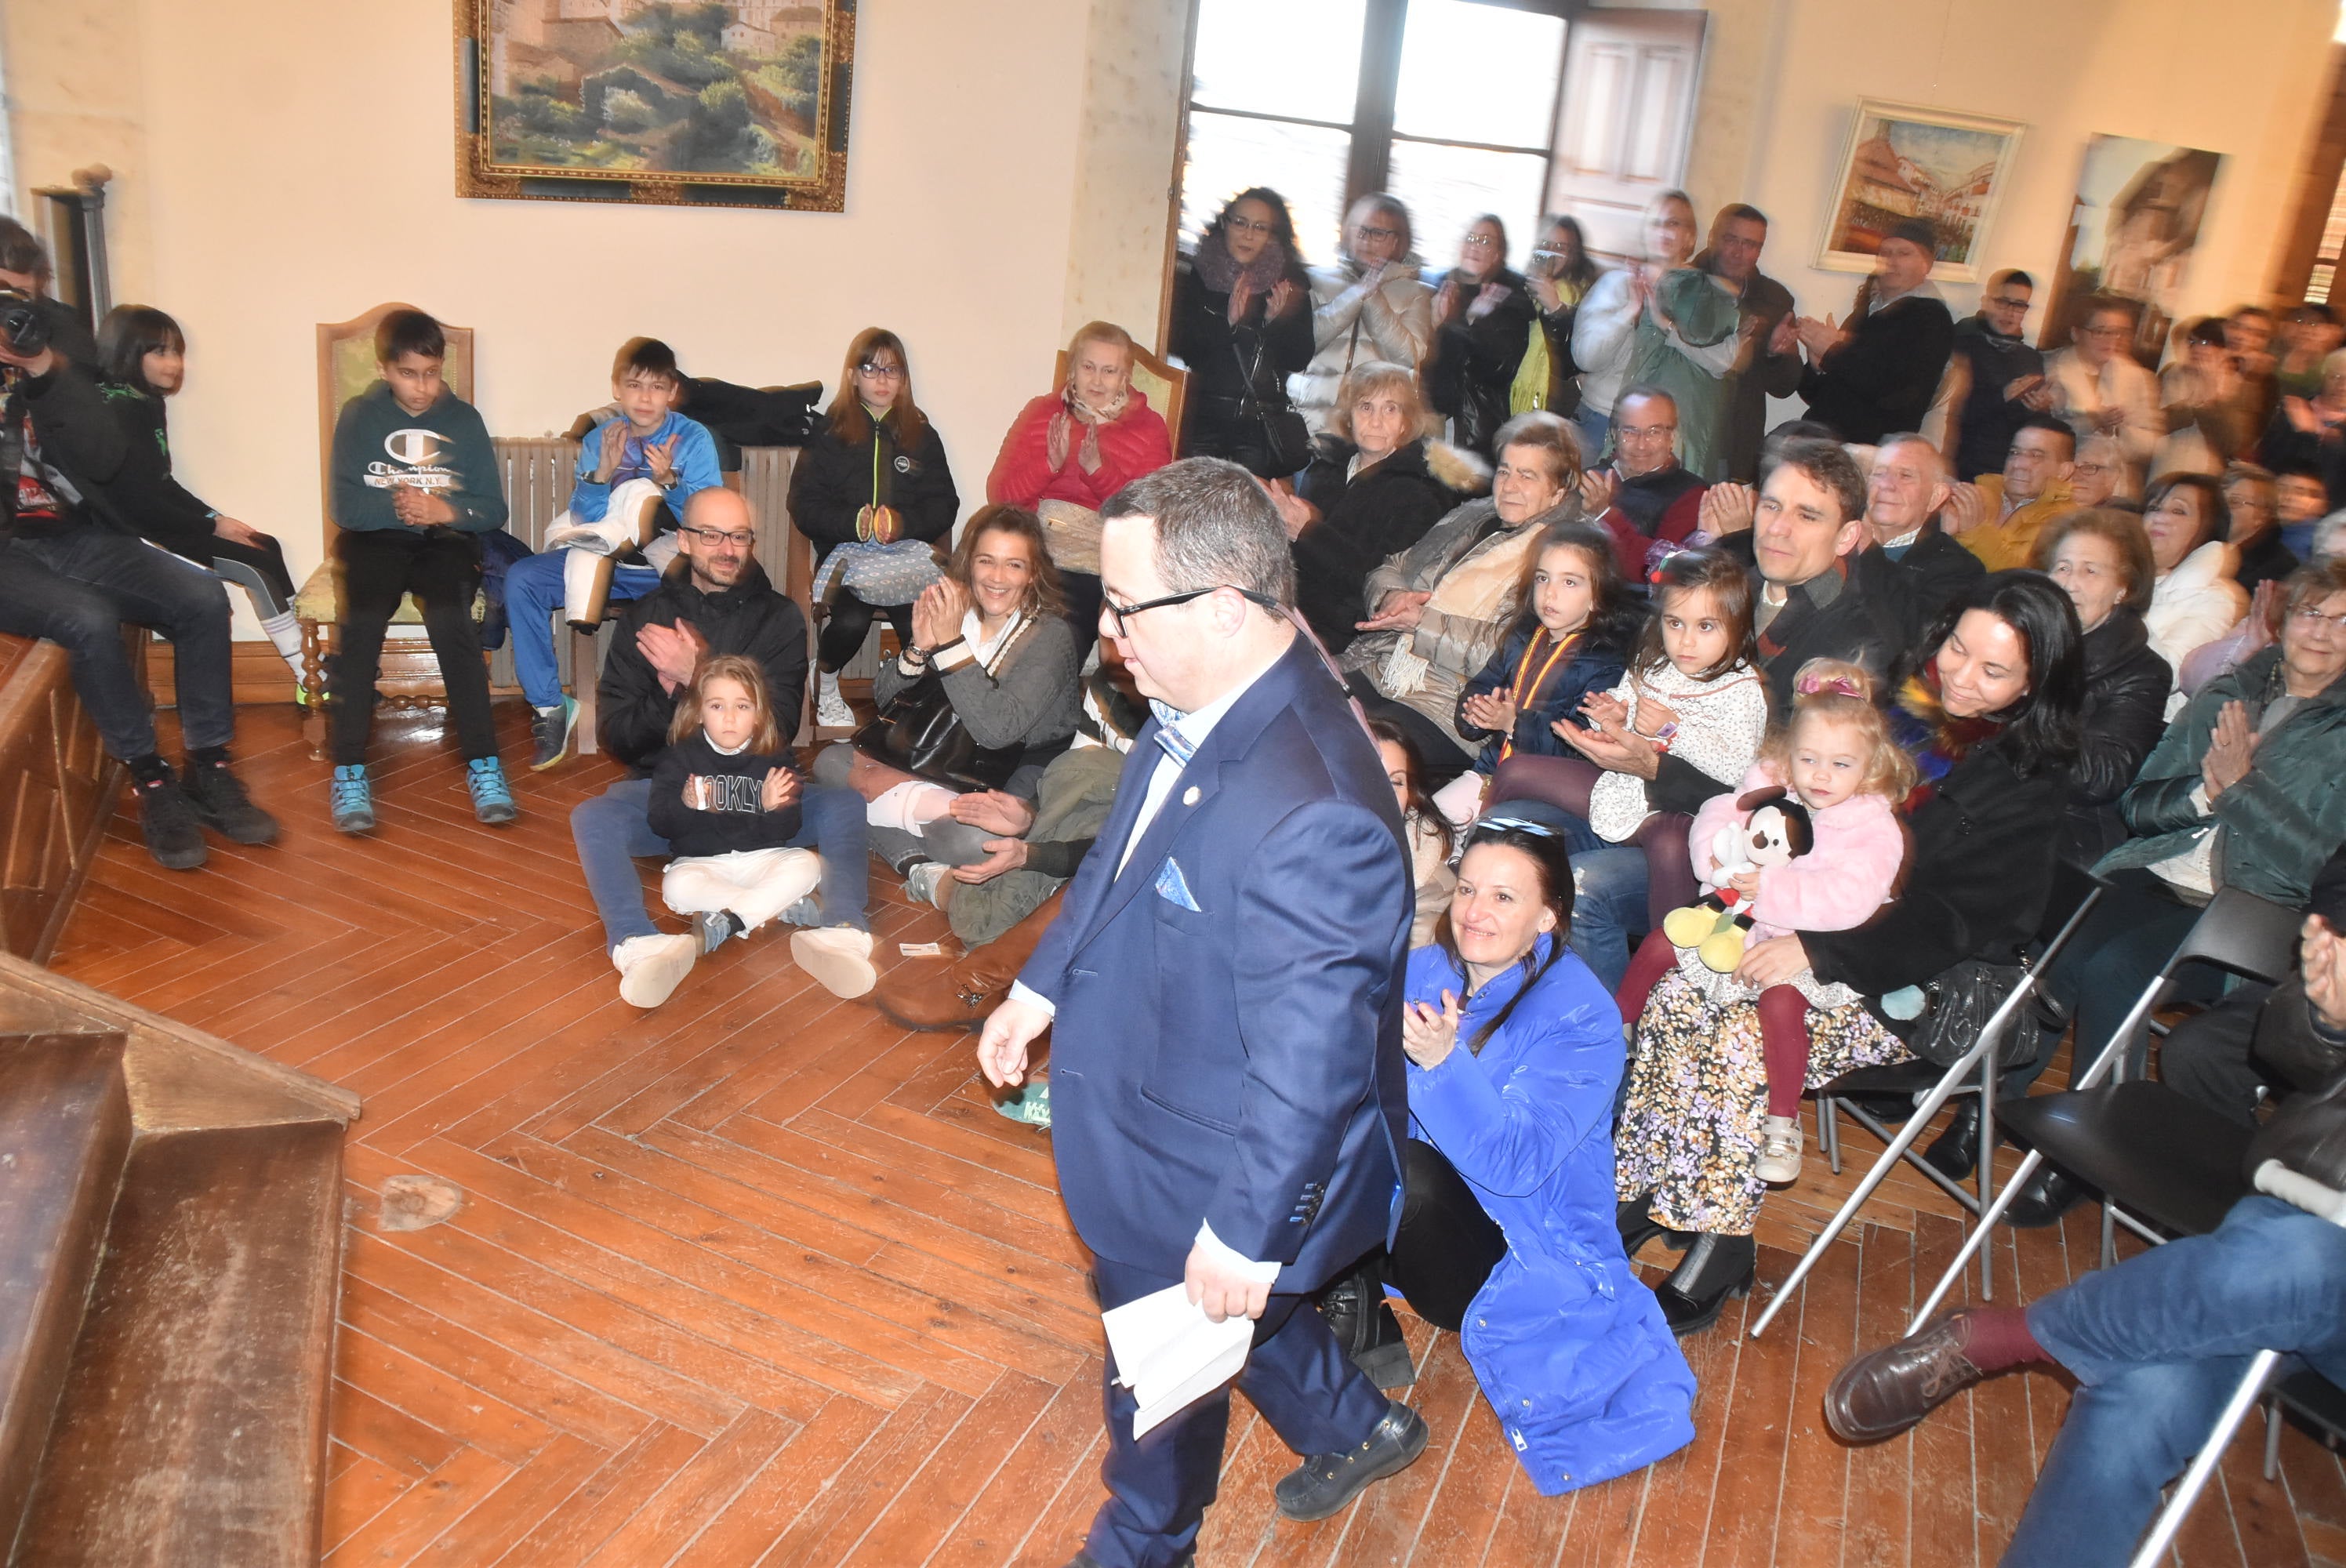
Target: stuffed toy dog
(1776, 828)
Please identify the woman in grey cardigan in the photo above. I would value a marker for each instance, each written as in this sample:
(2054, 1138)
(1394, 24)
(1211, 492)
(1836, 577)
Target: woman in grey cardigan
(995, 633)
(1442, 606)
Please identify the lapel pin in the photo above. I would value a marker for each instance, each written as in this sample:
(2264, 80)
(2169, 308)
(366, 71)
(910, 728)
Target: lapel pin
(1189, 796)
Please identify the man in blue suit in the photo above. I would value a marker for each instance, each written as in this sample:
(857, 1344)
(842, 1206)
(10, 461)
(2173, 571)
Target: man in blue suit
(1227, 1089)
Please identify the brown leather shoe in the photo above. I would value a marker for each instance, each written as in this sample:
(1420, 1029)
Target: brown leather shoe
(1885, 1391)
(960, 997)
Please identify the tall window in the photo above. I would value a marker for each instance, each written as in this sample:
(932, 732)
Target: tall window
(1451, 104)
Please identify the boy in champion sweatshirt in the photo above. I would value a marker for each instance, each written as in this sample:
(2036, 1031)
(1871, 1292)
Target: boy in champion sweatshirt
(415, 485)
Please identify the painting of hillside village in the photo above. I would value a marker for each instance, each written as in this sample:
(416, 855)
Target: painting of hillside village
(1905, 164)
(679, 99)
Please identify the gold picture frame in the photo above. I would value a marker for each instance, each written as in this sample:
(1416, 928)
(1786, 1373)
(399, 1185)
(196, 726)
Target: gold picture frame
(688, 102)
(1903, 161)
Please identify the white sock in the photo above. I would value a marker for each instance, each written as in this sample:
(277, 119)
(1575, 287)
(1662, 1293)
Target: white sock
(553, 707)
(284, 630)
(910, 806)
(827, 685)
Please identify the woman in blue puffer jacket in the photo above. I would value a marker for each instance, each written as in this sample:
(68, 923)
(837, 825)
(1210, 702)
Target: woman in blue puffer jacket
(1507, 1231)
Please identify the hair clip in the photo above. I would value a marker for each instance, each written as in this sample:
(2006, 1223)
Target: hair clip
(1829, 686)
(1515, 825)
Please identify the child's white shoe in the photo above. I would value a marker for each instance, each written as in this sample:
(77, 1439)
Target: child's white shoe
(651, 967)
(839, 957)
(1780, 1142)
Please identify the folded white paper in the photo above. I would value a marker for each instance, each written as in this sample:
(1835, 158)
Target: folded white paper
(1169, 1353)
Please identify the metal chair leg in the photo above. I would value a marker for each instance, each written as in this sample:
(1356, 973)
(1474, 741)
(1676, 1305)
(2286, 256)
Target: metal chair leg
(1974, 1241)
(2110, 1233)
(2195, 1480)
(2272, 1435)
(1989, 1074)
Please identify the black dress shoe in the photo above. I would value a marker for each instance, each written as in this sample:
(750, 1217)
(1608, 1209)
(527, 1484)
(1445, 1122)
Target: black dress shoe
(1324, 1483)
(1955, 1152)
(1716, 1267)
(1363, 1323)
(1880, 1394)
(2044, 1197)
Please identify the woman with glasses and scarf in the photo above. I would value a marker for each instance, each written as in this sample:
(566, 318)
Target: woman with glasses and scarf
(1371, 306)
(1242, 323)
(873, 493)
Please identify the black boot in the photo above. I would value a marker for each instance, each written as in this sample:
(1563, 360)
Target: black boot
(1362, 1319)
(218, 798)
(1635, 1218)
(1955, 1152)
(167, 818)
(1716, 1267)
(2044, 1197)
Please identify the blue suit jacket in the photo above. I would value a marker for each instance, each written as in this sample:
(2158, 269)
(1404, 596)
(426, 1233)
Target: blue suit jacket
(1238, 1062)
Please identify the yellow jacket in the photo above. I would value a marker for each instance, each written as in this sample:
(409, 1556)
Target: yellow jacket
(2011, 541)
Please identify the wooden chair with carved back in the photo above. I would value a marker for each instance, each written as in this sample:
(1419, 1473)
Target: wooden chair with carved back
(410, 675)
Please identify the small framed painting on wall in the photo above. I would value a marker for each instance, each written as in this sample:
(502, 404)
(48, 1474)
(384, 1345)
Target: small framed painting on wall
(1903, 163)
(725, 103)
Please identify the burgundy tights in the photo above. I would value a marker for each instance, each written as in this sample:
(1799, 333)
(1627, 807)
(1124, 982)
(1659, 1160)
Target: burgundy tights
(1784, 1021)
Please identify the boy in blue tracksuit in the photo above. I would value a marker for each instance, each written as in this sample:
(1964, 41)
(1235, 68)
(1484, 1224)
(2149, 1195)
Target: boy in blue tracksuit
(637, 469)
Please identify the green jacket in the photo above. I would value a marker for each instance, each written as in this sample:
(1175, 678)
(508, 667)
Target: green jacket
(2280, 823)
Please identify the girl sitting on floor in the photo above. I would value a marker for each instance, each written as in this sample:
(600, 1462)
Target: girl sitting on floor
(1575, 624)
(1837, 757)
(726, 798)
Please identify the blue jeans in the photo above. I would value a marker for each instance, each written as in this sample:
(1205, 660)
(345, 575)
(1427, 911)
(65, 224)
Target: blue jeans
(1609, 903)
(2158, 1343)
(614, 831)
(77, 590)
(533, 592)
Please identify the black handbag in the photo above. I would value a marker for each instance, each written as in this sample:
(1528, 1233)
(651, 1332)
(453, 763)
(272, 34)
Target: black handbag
(1286, 439)
(1958, 1003)
(918, 732)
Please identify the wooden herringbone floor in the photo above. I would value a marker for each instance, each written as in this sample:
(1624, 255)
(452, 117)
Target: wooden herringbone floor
(757, 1279)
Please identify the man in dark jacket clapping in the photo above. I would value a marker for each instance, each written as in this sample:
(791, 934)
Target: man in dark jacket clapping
(714, 599)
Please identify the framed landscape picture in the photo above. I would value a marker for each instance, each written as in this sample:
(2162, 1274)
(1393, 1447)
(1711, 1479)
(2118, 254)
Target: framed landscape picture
(732, 102)
(1903, 163)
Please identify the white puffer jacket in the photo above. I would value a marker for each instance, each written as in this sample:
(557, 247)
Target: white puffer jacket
(1349, 325)
(2196, 603)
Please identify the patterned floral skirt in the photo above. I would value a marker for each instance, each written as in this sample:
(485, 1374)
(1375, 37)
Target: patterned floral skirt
(1690, 1133)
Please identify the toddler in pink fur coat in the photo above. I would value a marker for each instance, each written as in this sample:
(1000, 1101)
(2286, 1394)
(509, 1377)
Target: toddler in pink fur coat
(1836, 755)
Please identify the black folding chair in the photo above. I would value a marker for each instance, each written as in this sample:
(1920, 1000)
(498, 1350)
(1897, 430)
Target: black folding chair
(2075, 892)
(2147, 1149)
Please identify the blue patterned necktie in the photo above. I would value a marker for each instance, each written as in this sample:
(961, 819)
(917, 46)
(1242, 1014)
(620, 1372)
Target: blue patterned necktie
(1178, 746)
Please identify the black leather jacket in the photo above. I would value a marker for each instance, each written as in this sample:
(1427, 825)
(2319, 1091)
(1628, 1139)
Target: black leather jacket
(2127, 687)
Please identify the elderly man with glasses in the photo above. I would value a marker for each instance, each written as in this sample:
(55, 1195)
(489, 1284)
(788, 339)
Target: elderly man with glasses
(714, 598)
(1645, 496)
(2099, 388)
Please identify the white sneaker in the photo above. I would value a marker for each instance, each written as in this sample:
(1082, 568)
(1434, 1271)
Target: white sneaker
(1780, 1142)
(839, 957)
(651, 967)
(921, 880)
(831, 709)
(586, 536)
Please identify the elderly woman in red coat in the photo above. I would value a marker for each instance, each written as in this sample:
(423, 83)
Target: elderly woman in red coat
(1070, 449)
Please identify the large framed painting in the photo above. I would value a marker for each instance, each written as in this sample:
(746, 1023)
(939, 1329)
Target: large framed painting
(1903, 163)
(727, 103)
(2134, 227)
